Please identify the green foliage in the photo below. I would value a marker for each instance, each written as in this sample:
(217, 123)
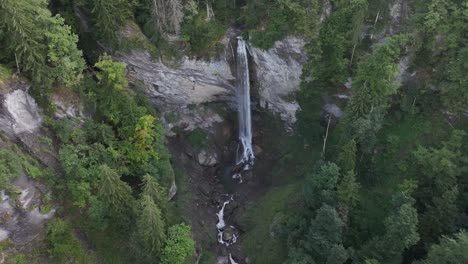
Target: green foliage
(348, 189)
(141, 145)
(198, 32)
(270, 20)
(400, 231)
(63, 246)
(78, 164)
(114, 193)
(198, 138)
(452, 250)
(108, 16)
(440, 34)
(347, 156)
(150, 228)
(112, 74)
(179, 246)
(43, 45)
(327, 64)
(5, 73)
(320, 186)
(9, 167)
(258, 240)
(18, 259)
(63, 56)
(365, 128)
(438, 192)
(152, 189)
(322, 240)
(375, 79)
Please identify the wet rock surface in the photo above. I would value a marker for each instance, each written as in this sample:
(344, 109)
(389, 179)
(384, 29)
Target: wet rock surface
(20, 212)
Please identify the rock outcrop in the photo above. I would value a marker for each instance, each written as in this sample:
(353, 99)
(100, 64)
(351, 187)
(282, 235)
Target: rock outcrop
(207, 159)
(190, 82)
(22, 219)
(19, 112)
(21, 120)
(278, 71)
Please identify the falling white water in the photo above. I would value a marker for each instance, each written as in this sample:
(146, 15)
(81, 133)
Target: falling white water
(221, 225)
(246, 156)
(231, 260)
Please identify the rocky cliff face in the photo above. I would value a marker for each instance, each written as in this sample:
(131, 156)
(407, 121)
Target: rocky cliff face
(189, 82)
(19, 112)
(278, 71)
(21, 120)
(22, 209)
(175, 85)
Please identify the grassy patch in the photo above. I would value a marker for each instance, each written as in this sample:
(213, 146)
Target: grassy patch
(110, 248)
(63, 245)
(9, 167)
(5, 73)
(198, 138)
(293, 156)
(259, 244)
(208, 258)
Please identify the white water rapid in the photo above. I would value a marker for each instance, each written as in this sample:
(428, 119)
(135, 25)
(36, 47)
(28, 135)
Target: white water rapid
(231, 260)
(245, 154)
(221, 225)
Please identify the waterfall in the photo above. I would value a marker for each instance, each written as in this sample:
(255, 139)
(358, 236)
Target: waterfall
(245, 154)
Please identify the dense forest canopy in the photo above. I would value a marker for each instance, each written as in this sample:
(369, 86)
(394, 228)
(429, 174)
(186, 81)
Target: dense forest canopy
(390, 184)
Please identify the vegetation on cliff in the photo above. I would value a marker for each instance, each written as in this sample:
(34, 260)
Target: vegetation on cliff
(387, 184)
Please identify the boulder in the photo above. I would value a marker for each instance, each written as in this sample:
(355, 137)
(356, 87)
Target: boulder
(228, 234)
(257, 150)
(172, 191)
(22, 113)
(207, 159)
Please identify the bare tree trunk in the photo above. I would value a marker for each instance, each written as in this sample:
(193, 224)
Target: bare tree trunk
(209, 11)
(168, 15)
(326, 135)
(352, 55)
(375, 23)
(18, 71)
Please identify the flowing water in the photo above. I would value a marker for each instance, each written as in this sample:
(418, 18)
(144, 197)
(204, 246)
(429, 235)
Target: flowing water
(245, 154)
(221, 226)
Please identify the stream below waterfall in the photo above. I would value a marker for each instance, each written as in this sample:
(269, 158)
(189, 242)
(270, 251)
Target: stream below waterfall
(227, 234)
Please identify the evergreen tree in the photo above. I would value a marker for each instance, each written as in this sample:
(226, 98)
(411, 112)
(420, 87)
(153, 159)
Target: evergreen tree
(43, 46)
(438, 191)
(348, 189)
(152, 188)
(150, 228)
(320, 186)
(375, 79)
(450, 250)
(400, 231)
(108, 16)
(114, 193)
